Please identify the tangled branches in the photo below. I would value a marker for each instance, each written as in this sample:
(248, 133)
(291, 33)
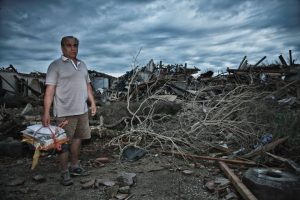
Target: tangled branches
(228, 113)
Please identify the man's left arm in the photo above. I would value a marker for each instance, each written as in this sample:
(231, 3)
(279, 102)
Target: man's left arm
(91, 99)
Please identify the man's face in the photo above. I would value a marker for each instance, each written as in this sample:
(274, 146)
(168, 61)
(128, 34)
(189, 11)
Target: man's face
(70, 48)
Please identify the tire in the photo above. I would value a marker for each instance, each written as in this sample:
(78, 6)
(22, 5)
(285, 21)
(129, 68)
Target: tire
(272, 184)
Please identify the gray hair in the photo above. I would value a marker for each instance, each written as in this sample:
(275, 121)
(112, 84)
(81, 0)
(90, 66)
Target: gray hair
(63, 40)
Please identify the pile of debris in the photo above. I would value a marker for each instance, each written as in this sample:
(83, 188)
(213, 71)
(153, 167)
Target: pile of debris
(231, 114)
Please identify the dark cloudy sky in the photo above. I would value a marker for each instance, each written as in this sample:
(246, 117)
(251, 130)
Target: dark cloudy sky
(211, 35)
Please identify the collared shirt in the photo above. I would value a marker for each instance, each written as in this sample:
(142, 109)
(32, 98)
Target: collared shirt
(64, 58)
(71, 86)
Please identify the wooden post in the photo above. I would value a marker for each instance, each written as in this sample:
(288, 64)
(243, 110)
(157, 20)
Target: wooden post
(291, 58)
(27, 90)
(282, 60)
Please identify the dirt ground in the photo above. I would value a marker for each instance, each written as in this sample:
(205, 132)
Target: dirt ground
(158, 177)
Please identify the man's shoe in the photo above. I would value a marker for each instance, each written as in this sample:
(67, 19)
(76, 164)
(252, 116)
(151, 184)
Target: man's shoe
(78, 171)
(66, 179)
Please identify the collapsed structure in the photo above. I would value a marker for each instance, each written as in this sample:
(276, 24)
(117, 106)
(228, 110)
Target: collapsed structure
(177, 79)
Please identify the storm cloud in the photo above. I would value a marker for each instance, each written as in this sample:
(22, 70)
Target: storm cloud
(211, 35)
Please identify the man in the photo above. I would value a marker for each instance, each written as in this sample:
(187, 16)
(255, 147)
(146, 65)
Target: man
(68, 88)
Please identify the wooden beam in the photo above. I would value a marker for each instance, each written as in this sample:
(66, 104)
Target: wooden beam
(265, 148)
(240, 187)
(240, 162)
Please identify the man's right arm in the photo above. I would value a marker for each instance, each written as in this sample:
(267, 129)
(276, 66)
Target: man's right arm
(48, 99)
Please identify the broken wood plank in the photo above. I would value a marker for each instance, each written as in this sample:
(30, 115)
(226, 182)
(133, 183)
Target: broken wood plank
(240, 162)
(241, 188)
(288, 162)
(8, 83)
(265, 148)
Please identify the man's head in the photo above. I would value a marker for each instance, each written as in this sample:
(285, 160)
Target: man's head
(69, 47)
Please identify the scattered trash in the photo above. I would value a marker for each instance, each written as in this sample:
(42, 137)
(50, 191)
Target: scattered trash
(132, 153)
(224, 145)
(265, 139)
(238, 152)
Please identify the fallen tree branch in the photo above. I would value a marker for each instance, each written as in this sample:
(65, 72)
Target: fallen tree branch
(232, 114)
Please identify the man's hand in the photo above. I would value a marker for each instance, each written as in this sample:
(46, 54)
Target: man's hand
(46, 119)
(93, 109)
(91, 99)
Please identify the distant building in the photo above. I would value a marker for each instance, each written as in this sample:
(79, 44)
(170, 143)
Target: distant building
(14, 83)
(101, 81)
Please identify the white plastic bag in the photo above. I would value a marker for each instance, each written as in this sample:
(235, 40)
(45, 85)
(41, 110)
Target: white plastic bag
(44, 136)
